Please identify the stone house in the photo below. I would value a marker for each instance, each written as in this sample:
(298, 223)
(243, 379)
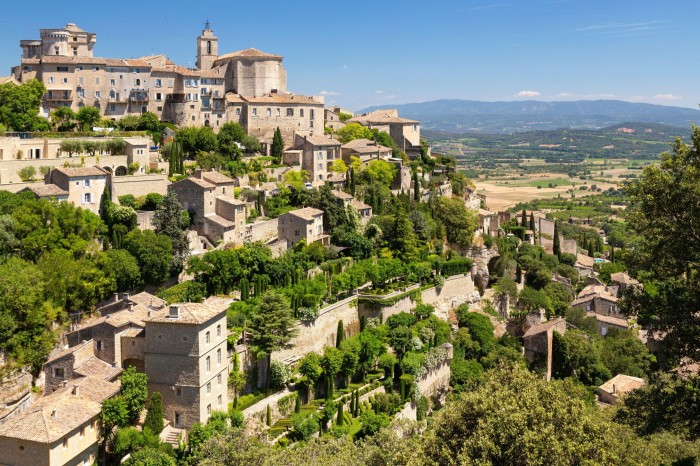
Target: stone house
(117, 335)
(332, 119)
(186, 361)
(216, 214)
(306, 224)
(623, 281)
(584, 265)
(617, 387)
(74, 363)
(365, 150)
(318, 154)
(405, 132)
(347, 200)
(538, 344)
(84, 185)
(47, 191)
(58, 429)
(601, 302)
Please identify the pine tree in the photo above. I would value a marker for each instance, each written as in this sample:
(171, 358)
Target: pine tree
(167, 220)
(557, 246)
(340, 335)
(277, 149)
(154, 416)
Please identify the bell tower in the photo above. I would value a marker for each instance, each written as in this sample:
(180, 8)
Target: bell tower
(207, 48)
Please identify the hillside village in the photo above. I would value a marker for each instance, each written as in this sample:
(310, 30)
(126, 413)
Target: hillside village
(202, 253)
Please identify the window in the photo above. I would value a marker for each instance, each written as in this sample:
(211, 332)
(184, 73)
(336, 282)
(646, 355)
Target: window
(311, 114)
(178, 391)
(99, 344)
(415, 128)
(208, 364)
(112, 82)
(218, 401)
(255, 111)
(55, 50)
(320, 166)
(81, 80)
(51, 80)
(95, 68)
(290, 112)
(86, 183)
(208, 410)
(137, 82)
(97, 94)
(79, 68)
(277, 112)
(207, 338)
(64, 80)
(112, 107)
(208, 388)
(62, 68)
(296, 232)
(65, 443)
(97, 80)
(82, 431)
(196, 97)
(301, 112)
(218, 327)
(238, 112)
(87, 198)
(218, 379)
(218, 356)
(178, 419)
(75, 51)
(59, 372)
(159, 96)
(269, 112)
(319, 155)
(158, 82)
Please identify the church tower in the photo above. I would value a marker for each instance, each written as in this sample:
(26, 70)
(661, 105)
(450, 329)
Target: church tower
(207, 48)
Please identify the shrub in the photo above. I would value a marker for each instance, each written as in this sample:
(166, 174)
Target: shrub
(304, 426)
(279, 374)
(27, 173)
(128, 200)
(153, 200)
(154, 417)
(237, 419)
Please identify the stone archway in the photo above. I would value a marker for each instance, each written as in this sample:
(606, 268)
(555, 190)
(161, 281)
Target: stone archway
(109, 169)
(137, 364)
(121, 171)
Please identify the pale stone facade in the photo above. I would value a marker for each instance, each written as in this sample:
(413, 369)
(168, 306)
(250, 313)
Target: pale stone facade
(317, 156)
(405, 132)
(306, 224)
(84, 185)
(186, 361)
(538, 344)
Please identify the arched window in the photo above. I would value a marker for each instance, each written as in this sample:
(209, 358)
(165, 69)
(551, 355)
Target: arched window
(208, 47)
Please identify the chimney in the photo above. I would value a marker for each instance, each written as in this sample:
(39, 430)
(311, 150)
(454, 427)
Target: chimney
(75, 390)
(116, 297)
(614, 389)
(65, 383)
(53, 413)
(150, 313)
(131, 307)
(174, 311)
(126, 296)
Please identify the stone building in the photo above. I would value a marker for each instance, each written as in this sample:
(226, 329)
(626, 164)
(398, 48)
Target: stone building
(365, 150)
(332, 119)
(617, 387)
(216, 213)
(346, 200)
(601, 302)
(405, 132)
(186, 361)
(538, 344)
(58, 429)
(84, 185)
(317, 156)
(47, 191)
(306, 224)
(74, 363)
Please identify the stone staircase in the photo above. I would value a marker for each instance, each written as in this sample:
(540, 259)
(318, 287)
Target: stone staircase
(173, 435)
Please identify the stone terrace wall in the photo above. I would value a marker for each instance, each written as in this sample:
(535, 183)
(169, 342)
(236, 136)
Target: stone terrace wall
(432, 384)
(140, 185)
(313, 336)
(263, 231)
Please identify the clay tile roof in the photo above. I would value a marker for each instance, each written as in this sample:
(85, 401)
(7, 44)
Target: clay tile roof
(219, 220)
(190, 313)
(67, 351)
(342, 195)
(96, 367)
(197, 181)
(127, 62)
(359, 205)
(46, 190)
(382, 116)
(307, 213)
(542, 327)
(623, 278)
(248, 53)
(365, 146)
(132, 333)
(623, 384)
(147, 299)
(234, 98)
(317, 140)
(216, 177)
(617, 321)
(55, 415)
(584, 260)
(8, 79)
(282, 98)
(82, 171)
(73, 60)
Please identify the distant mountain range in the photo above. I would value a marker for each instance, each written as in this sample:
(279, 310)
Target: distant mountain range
(472, 116)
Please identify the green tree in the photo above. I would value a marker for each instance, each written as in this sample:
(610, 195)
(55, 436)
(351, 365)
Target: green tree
(168, 221)
(150, 457)
(624, 353)
(460, 223)
(340, 334)
(27, 173)
(230, 136)
(353, 131)
(19, 106)
(404, 238)
(557, 246)
(272, 327)
(332, 363)
(154, 416)
(153, 252)
(196, 139)
(63, 119)
(88, 117)
(277, 148)
(575, 355)
(380, 171)
(532, 222)
(310, 367)
(134, 392)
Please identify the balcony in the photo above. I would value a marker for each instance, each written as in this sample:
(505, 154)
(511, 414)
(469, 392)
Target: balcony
(138, 95)
(176, 98)
(59, 96)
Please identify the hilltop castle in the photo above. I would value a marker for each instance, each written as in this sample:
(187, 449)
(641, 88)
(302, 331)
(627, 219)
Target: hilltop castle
(248, 87)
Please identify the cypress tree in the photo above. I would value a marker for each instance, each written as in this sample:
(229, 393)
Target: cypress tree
(357, 403)
(340, 335)
(523, 220)
(154, 416)
(363, 323)
(416, 187)
(612, 254)
(268, 416)
(352, 181)
(340, 419)
(532, 221)
(557, 246)
(518, 273)
(245, 289)
(352, 404)
(277, 149)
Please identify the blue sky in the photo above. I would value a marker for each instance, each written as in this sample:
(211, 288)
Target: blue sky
(382, 52)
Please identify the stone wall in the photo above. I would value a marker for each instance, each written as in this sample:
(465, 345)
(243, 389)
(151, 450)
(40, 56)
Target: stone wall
(314, 335)
(9, 168)
(140, 185)
(433, 384)
(262, 231)
(144, 219)
(15, 393)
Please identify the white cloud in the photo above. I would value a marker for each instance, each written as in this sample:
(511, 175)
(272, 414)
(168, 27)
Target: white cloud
(600, 96)
(345, 67)
(565, 95)
(379, 92)
(329, 93)
(667, 97)
(527, 94)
